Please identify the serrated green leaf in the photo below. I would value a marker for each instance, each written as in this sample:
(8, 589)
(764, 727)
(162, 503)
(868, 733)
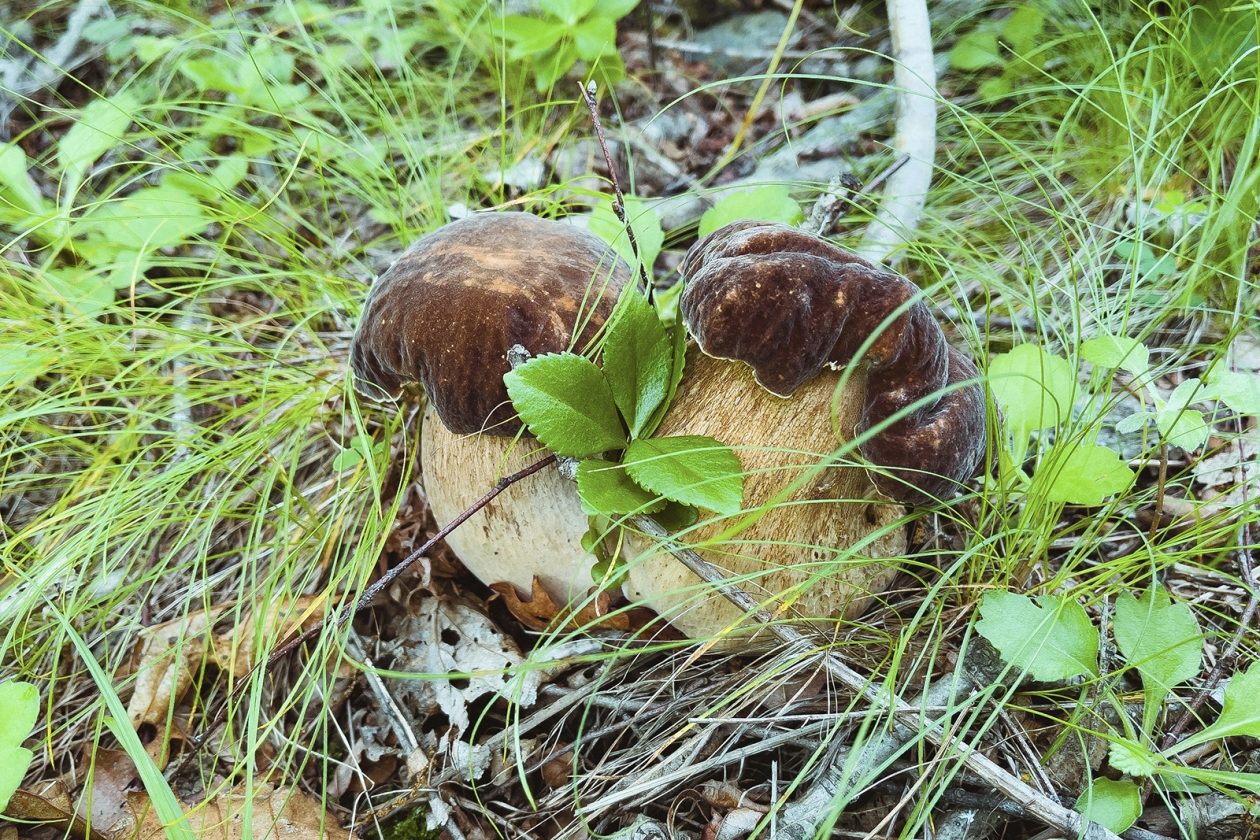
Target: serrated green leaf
(1083, 473)
(1162, 640)
(637, 359)
(645, 223)
(1184, 427)
(1121, 352)
(14, 762)
(1113, 805)
(1240, 712)
(606, 488)
(568, 11)
(1133, 422)
(96, 130)
(1131, 758)
(565, 401)
(19, 707)
(1034, 388)
(1239, 391)
(768, 203)
(975, 51)
(594, 37)
(1052, 639)
(691, 469)
(16, 185)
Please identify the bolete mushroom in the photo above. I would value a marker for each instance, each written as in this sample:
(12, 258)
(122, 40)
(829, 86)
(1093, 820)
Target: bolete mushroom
(775, 312)
(445, 316)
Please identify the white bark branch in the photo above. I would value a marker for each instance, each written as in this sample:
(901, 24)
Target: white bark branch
(915, 79)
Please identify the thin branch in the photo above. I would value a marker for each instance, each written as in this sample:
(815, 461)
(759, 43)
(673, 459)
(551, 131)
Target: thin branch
(914, 75)
(619, 200)
(1036, 804)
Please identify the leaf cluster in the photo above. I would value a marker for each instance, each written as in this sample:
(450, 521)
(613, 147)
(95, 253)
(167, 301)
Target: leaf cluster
(1051, 638)
(568, 32)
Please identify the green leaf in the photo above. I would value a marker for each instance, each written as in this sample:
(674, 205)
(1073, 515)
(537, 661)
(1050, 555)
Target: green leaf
(19, 707)
(975, 51)
(594, 37)
(553, 63)
(613, 9)
(637, 359)
(1162, 640)
(645, 223)
(1034, 389)
(96, 130)
(1131, 758)
(14, 762)
(1022, 28)
(1240, 712)
(769, 203)
(81, 290)
(606, 488)
(531, 35)
(691, 469)
(1121, 352)
(1113, 805)
(1179, 424)
(1050, 640)
(16, 185)
(569, 11)
(565, 401)
(675, 517)
(1197, 779)
(1083, 473)
(20, 364)
(148, 219)
(1239, 391)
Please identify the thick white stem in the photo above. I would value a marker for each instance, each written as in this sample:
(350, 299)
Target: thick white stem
(915, 79)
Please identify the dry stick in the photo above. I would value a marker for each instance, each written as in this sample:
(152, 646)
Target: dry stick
(619, 201)
(1034, 803)
(386, 579)
(828, 209)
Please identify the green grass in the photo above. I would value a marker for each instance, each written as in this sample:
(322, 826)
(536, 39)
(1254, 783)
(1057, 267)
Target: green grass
(166, 445)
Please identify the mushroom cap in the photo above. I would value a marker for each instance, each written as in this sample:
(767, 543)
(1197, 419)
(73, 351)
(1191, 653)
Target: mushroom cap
(446, 313)
(789, 304)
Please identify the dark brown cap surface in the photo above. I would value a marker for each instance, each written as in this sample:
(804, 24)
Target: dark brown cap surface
(447, 312)
(788, 303)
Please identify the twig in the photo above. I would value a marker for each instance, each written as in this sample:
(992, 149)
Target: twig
(389, 577)
(910, 717)
(915, 78)
(619, 200)
(829, 208)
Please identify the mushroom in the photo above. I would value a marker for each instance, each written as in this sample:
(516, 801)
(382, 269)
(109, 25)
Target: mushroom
(445, 315)
(775, 312)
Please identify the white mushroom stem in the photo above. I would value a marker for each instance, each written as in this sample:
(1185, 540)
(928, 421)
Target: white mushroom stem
(915, 78)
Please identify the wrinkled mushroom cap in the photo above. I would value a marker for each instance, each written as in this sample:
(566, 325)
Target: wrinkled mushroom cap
(446, 313)
(789, 304)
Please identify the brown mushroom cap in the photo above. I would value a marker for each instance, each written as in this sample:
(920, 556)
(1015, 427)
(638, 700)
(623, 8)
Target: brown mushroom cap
(446, 313)
(789, 304)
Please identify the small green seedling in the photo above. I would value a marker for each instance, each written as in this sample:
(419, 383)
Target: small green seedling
(644, 221)
(361, 449)
(569, 31)
(19, 706)
(1051, 638)
(982, 50)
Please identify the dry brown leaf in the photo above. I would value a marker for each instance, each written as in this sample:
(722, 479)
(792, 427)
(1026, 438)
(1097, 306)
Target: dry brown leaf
(277, 813)
(541, 613)
(168, 655)
(235, 651)
(113, 777)
(53, 808)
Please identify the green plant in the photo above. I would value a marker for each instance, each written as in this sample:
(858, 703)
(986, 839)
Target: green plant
(1051, 638)
(982, 50)
(19, 705)
(767, 203)
(568, 32)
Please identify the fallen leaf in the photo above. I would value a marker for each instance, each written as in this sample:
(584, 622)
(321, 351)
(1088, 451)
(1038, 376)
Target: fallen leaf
(52, 808)
(237, 649)
(541, 613)
(168, 655)
(281, 812)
